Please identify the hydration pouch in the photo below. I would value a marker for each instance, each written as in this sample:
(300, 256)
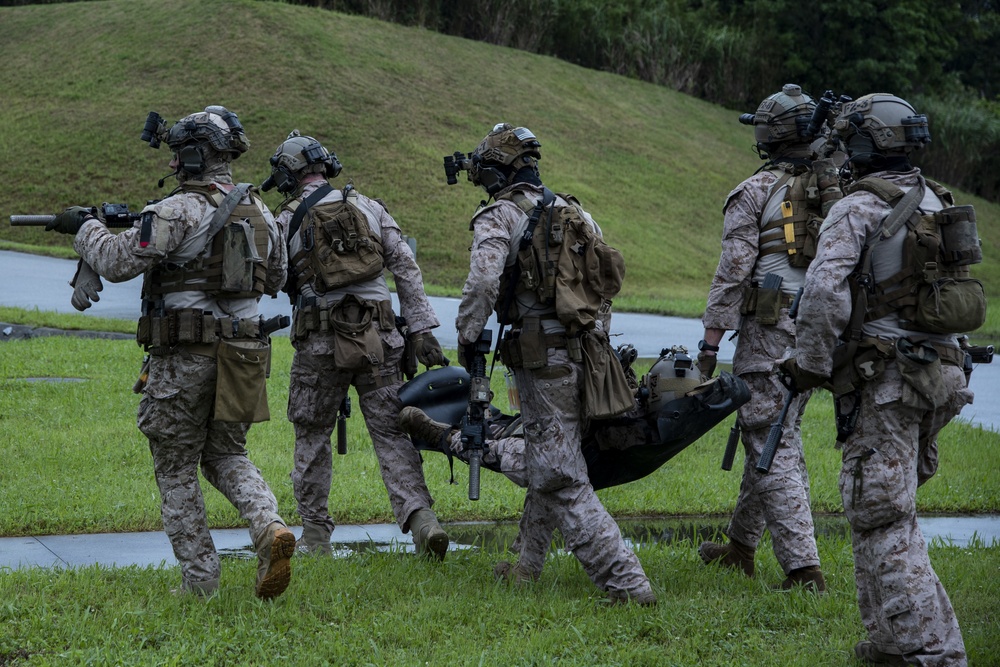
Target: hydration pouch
(241, 385)
(606, 392)
(920, 366)
(959, 236)
(356, 344)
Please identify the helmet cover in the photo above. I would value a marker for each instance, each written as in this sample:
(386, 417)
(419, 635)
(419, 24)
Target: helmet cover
(889, 124)
(506, 148)
(783, 116)
(216, 126)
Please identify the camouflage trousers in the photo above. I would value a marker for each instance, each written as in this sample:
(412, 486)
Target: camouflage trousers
(778, 500)
(559, 491)
(175, 414)
(903, 605)
(316, 391)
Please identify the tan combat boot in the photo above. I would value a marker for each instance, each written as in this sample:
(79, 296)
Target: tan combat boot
(506, 572)
(315, 539)
(428, 535)
(274, 570)
(809, 578)
(734, 554)
(645, 598)
(867, 653)
(417, 424)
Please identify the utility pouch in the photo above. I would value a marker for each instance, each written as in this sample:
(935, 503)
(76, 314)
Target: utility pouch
(920, 366)
(241, 385)
(768, 306)
(239, 256)
(356, 344)
(531, 345)
(606, 393)
(950, 306)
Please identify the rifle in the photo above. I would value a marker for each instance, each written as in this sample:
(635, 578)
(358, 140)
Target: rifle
(774, 436)
(473, 430)
(343, 414)
(112, 215)
(269, 326)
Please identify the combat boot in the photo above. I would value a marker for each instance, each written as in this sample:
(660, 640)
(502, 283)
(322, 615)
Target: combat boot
(809, 578)
(428, 535)
(275, 547)
(417, 424)
(867, 653)
(203, 589)
(734, 554)
(506, 572)
(645, 598)
(315, 539)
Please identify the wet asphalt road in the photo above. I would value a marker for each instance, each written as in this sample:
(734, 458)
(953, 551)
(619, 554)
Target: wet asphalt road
(31, 281)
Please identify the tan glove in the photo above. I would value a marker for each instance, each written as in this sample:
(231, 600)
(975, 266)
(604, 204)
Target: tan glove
(706, 364)
(86, 284)
(428, 349)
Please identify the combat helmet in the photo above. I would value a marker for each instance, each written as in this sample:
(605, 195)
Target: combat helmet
(206, 139)
(881, 124)
(781, 118)
(504, 151)
(670, 377)
(297, 157)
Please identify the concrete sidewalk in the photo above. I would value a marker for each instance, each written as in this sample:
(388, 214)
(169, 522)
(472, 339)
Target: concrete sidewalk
(153, 548)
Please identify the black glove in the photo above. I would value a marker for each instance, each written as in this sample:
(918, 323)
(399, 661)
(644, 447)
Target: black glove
(428, 350)
(706, 364)
(70, 220)
(797, 378)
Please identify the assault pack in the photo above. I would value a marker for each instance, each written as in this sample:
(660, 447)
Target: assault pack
(567, 265)
(933, 292)
(812, 190)
(339, 247)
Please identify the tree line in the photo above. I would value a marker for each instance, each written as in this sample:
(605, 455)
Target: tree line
(940, 55)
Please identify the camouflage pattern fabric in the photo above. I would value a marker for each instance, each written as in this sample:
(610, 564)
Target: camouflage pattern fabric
(175, 410)
(559, 492)
(778, 500)
(317, 386)
(903, 605)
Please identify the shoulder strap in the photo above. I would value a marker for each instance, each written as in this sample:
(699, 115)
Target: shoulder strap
(304, 207)
(226, 208)
(903, 210)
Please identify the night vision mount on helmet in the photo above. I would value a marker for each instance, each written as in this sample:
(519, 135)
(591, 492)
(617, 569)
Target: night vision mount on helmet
(504, 151)
(296, 157)
(199, 139)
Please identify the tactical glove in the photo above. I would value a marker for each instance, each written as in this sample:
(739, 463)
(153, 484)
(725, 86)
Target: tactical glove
(428, 350)
(86, 284)
(797, 378)
(70, 220)
(706, 365)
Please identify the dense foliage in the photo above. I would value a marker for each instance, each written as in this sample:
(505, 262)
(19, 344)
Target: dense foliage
(940, 56)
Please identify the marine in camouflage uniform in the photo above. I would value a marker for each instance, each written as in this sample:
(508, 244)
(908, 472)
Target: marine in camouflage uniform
(778, 500)
(893, 449)
(319, 381)
(176, 411)
(559, 493)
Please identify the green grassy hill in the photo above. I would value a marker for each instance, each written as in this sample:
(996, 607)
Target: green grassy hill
(653, 166)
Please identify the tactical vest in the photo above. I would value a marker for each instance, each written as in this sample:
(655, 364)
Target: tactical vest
(564, 262)
(340, 247)
(932, 292)
(234, 263)
(811, 192)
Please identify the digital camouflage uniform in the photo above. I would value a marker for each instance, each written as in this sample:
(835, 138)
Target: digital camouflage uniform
(559, 493)
(779, 499)
(318, 386)
(175, 412)
(893, 450)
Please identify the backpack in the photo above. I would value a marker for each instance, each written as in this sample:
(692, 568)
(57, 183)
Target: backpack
(933, 292)
(339, 247)
(808, 199)
(566, 263)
